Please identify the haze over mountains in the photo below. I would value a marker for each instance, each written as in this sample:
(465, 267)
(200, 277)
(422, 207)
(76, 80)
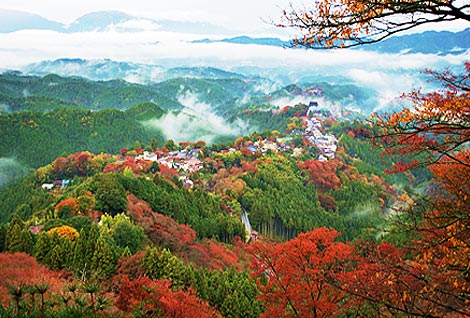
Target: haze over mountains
(11, 21)
(110, 45)
(430, 42)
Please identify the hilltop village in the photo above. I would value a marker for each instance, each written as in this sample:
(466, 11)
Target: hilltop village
(192, 157)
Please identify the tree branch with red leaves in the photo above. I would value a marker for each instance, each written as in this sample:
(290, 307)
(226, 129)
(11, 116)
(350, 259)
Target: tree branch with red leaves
(344, 23)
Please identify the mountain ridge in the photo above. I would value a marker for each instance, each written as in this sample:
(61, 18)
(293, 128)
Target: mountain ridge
(427, 42)
(13, 20)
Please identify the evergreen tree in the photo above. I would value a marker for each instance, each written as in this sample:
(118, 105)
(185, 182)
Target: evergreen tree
(42, 248)
(102, 263)
(56, 261)
(90, 243)
(111, 197)
(18, 237)
(164, 265)
(3, 235)
(67, 247)
(79, 262)
(57, 257)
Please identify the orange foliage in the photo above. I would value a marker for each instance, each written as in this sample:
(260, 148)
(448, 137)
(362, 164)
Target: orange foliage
(160, 229)
(322, 174)
(72, 203)
(64, 231)
(22, 269)
(339, 24)
(298, 274)
(149, 296)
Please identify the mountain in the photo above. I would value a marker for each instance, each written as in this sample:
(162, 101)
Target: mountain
(248, 40)
(429, 42)
(98, 21)
(203, 72)
(11, 21)
(98, 70)
(18, 91)
(106, 69)
(223, 90)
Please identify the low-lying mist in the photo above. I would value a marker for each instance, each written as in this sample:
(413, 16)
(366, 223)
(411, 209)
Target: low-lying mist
(10, 171)
(197, 121)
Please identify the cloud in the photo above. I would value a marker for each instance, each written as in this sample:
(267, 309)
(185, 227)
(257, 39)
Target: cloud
(5, 108)
(136, 25)
(10, 171)
(197, 121)
(389, 74)
(389, 85)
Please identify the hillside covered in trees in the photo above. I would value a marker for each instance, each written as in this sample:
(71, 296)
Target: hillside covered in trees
(137, 225)
(314, 208)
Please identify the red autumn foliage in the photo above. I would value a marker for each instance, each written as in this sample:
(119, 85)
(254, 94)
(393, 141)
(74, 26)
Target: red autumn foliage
(249, 167)
(160, 229)
(148, 296)
(298, 274)
(76, 164)
(129, 266)
(322, 173)
(398, 286)
(21, 269)
(437, 125)
(72, 203)
(212, 254)
(327, 202)
(166, 172)
(137, 166)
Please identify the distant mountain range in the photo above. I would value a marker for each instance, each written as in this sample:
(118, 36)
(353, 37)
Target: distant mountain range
(428, 42)
(11, 21)
(106, 69)
(247, 40)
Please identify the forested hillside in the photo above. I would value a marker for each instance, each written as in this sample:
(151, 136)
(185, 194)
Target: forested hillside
(121, 220)
(37, 138)
(145, 211)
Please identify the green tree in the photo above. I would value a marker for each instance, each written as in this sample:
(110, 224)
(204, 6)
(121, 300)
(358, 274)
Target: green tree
(126, 234)
(170, 145)
(18, 237)
(3, 235)
(110, 195)
(154, 144)
(42, 248)
(164, 265)
(103, 261)
(80, 256)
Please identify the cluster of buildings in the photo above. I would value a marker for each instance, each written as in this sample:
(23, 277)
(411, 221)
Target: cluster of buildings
(327, 144)
(186, 160)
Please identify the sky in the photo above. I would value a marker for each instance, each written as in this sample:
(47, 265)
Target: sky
(240, 14)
